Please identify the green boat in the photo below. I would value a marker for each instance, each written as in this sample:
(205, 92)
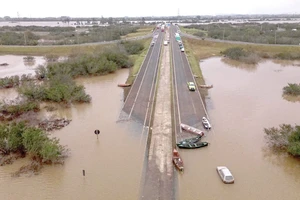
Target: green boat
(191, 140)
(190, 145)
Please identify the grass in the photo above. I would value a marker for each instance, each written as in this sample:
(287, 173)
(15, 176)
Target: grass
(195, 67)
(55, 50)
(138, 60)
(194, 63)
(191, 30)
(140, 32)
(204, 49)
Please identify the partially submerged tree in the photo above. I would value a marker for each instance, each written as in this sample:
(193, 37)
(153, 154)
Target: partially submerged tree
(285, 138)
(292, 89)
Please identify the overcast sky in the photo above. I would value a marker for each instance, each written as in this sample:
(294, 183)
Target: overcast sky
(137, 8)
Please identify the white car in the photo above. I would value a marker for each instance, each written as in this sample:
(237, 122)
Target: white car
(165, 42)
(182, 49)
(225, 174)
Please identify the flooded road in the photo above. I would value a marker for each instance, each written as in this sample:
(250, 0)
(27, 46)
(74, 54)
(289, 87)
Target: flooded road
(242, 103)
(113, 163)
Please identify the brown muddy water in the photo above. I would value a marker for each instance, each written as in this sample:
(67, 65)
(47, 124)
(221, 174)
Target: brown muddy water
(113, 164)
(244, 100)
(18, 66)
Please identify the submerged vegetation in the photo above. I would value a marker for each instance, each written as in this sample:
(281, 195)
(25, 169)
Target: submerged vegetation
(21, 139)
(21, 132)
(292, 89)
(285, 138)
(240, 54)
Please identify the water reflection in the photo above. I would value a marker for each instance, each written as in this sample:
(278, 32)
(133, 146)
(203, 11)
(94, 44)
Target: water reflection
(289, 164)
(287, 63)
(29, 61)
(17, 65)
(290, 98)
(240, 65)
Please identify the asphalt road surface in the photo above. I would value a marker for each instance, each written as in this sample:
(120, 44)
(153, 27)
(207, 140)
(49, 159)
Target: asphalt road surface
(188, 105)
(139, 102)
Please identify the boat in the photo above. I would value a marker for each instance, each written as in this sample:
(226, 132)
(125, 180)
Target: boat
(205, 86)
(124, 85)
(191, 140)
(190, 145)
(206, 123)
(191, 129)
(177, 160)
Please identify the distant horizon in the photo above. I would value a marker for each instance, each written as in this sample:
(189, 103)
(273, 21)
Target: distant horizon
(135, 8)
(264, 14)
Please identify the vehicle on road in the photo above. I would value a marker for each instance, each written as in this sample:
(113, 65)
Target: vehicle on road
(191, 86)
(182, 49)
(225, 174)
(177, 160)
(165, 42)
(152, 44)
(206, 123)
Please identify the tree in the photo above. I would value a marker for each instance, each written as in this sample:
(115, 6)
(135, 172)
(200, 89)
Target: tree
(110, 21)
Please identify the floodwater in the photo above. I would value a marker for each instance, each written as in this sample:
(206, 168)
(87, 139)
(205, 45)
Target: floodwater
(113, 163)
(244, 101)
(18, 66)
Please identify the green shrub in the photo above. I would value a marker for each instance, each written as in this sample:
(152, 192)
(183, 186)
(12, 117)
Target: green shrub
(133, 47)
(235, 53)
(292, 89)
(286, 138)
(17, 108)
(11, 137)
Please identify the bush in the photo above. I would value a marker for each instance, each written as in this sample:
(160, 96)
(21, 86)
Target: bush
(235, 53)
(133, 47)
(58, 88)
(238, 53)
(292, 89)
(39, 146)
(11, 137)
(286, 138)
(18, 107)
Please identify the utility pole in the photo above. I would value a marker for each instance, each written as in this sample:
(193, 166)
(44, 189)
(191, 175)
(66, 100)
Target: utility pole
(25, 40)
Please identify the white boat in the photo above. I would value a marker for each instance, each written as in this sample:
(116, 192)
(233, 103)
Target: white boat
(206, 86)
(191, 129)
(206, 123)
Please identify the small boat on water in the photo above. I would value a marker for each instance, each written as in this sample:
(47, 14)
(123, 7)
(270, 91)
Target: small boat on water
(206, 123)
(124, 85)
(191, 129)
(191, 140)
(190, 145)
(177, 160)
(205, 86)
